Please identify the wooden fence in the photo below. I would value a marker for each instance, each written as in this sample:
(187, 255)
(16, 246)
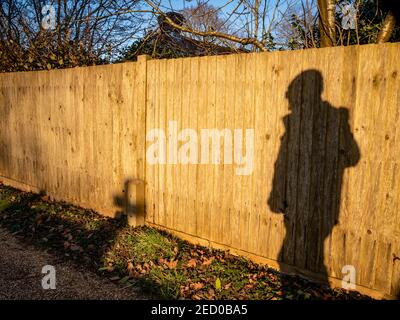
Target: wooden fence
(310, 187)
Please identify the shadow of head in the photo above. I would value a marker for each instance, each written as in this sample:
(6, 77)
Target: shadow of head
(309, 82)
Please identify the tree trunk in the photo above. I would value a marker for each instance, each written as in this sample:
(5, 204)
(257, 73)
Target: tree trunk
(327, 22)
(387, 28)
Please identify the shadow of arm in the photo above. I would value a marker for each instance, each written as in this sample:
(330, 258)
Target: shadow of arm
(348, 145)
(277, 201)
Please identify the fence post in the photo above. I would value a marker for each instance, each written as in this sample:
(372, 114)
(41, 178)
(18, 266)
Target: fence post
(137, 217)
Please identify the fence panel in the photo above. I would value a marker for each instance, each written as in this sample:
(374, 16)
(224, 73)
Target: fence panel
(290, 158)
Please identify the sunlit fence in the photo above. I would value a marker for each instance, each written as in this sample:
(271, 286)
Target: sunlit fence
(290, 158)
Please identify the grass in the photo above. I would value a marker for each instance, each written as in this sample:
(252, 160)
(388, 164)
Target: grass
(151, 244)
(159, 263)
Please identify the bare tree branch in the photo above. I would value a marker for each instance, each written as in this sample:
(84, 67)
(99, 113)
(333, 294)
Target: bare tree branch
(242, 41)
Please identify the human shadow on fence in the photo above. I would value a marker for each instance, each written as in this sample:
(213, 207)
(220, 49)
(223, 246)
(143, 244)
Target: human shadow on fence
(315, 149)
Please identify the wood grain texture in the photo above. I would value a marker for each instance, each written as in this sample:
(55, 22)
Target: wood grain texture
(325, 188)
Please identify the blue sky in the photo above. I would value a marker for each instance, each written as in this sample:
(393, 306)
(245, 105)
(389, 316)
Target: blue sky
(179, 4)
(228, 6)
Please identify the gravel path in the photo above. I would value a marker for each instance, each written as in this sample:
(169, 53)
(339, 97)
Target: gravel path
(21, 277)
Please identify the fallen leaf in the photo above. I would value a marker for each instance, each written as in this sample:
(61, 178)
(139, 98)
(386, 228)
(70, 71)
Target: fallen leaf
(103, 269)
(221, 260)
(184, 290)
(124, 280)
(172, 264)
(207, 262)
(196, 285)
(210, 294)
(227, 286)
(218, 284)
(129, 266)
(191, 263)
(110, 268)
(74, 247)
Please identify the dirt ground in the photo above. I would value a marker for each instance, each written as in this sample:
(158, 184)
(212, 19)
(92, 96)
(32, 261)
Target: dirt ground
(21, 277)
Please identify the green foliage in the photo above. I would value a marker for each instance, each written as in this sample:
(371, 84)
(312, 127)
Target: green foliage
(168, 282)
(158, 48)
(150, 245)
(4, 204)
(44, 53)
(161, 46)
(302, 37)
(370, 17)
